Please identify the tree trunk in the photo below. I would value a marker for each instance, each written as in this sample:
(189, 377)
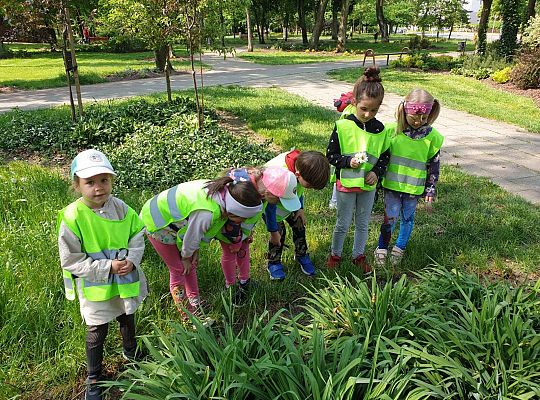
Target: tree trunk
(286, 26)
(342, 35)
(302, 20)
(451, 30)
(168, 79)
(530, 10)
(249, 33)
(319, 23)
(482, 27)
(161, 55)
(335, 25)
(222, 22)
(381, 21)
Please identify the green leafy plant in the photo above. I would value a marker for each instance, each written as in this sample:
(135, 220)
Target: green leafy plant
(531, 35)
(479, 67)
(502, 75)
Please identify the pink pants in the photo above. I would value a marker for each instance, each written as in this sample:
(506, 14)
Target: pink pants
(230, 259)
(171, 255)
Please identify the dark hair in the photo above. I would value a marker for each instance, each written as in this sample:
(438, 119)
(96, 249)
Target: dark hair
(369, 85)
(314, 168)
(243, 192)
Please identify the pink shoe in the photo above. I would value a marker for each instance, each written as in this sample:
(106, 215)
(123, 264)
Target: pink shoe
(333, 261)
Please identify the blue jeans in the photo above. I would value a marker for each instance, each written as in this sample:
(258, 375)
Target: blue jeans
(402, 206)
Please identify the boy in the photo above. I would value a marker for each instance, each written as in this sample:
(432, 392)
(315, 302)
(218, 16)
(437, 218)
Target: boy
(312, 171)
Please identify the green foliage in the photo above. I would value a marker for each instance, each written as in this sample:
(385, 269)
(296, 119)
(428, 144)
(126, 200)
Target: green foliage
(526, 73)
(502, 75)
(449, 336)
(510, 11)
(425, 61)
(531, 35)
(479, 67)
(156, 157)
(289, 46)
(419, 43)
(125, 44)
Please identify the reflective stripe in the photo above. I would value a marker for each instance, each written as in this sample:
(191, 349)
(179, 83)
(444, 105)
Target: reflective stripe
(171, 202)
(407, 162)
(248, 227)
(132, 277)
(110, 254)
(409, 180)
(206, 240)
(371, 158)
(157, 218)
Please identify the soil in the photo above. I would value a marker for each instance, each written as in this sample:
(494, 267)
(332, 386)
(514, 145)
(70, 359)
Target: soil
(511, 88)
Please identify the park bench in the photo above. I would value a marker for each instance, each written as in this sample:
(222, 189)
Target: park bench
(92, 39)
(371, 53)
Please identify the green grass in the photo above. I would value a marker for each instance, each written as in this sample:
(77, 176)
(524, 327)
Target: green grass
(46, 70)
(459, 93)
(355, 49)
(485, 231)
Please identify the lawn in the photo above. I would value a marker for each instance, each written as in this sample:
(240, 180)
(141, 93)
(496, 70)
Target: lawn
(485, 231)
(459, 93)
(45, 70)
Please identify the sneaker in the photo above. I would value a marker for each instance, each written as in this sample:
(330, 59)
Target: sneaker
(93, 390)
(242, 292)
(380, 256)
(396, 255)
(333, 261)
(306, 265)
(276, 271)
(361, 262)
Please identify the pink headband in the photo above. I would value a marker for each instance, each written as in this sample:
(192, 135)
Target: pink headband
(417, 108)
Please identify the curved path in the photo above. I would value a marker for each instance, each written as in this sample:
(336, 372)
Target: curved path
(504, 153)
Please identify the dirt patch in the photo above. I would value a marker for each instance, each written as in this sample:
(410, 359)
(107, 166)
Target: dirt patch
(8, 89)
(238, 128)
(511, 88)
(56, 161)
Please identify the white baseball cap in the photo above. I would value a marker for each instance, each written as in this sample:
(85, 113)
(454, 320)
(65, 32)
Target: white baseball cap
(91, 163)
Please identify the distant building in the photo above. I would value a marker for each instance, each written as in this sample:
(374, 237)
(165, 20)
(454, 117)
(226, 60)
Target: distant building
(473, 6)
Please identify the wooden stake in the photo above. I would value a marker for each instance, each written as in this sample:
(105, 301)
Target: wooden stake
(73, 60)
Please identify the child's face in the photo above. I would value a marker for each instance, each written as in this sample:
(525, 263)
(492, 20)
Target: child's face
(95, 190)
(417, 120)
(265, 193)
(235, 218)
(367, 108)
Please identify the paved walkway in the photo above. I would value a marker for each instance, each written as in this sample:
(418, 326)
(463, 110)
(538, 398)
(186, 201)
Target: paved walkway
(504, 153)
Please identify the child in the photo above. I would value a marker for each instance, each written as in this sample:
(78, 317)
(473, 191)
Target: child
(358, 148)
(312, 170)
(181, 219)
(101, 245)
(413, 169)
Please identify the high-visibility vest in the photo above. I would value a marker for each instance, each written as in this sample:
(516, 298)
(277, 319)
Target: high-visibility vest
(101, 238)
(174, 205)
(350, 109)
(353, 140)
(407, 169)
(279, 161)
(247, 226)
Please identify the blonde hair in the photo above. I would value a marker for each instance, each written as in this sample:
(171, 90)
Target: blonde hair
(417, 96)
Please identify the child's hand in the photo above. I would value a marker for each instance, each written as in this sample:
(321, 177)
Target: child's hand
(117, 266)
(371, 178)
(126, 269)
(275, 238)
(429, 204)
(300, 216)
(354, 162)
(187, 265)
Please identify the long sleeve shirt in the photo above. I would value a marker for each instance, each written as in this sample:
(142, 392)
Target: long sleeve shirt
(76, 261)
(333, 151)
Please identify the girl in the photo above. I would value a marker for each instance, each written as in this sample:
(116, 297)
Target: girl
(275, 185)
(413, 169)
(181, 219)
(358, 148)
(101, 245)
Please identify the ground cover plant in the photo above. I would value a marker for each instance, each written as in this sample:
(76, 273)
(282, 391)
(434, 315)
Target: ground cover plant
(465, 234)
(46, 70)
(473, 96)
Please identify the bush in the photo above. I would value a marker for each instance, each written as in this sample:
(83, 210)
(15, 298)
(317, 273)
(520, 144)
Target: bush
(526, 73)
(502, 75)
(531, 35)
(419, 43)
(479, 67)
(125, 44)
(425, 61)
(289, 46)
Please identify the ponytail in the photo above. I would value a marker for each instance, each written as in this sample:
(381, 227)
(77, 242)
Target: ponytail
(369, 85)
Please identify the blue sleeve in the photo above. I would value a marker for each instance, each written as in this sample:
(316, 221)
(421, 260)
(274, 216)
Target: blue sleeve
(301, 201)
(270, 218)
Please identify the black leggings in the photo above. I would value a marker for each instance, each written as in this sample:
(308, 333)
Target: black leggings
(95, 339)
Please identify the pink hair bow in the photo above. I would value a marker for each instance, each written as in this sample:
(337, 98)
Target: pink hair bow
(418, 108)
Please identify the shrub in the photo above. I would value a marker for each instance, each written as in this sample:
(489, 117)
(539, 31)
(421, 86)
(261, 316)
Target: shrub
(157, 157)
(502, 75)
(425, 61)
(125, 44)
(526, 73)
(418, 43)
(289, 46)
(531, 35)
(479, 67)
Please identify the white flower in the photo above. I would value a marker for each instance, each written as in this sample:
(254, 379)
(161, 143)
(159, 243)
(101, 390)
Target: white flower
(361, 157)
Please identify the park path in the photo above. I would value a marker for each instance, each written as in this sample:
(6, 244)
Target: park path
(504, 153)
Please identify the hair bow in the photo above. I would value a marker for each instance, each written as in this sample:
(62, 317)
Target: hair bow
(239, 175)
(418, 108)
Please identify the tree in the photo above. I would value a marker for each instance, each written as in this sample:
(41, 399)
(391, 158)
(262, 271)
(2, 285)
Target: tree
(381, 20)
(482, 27)
(342, 32)
(510, 26)
(319, 24)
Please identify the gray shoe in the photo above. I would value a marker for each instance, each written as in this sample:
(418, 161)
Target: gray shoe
(93, 390)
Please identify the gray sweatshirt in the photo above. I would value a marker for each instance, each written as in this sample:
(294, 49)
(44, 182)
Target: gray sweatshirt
(74, 260)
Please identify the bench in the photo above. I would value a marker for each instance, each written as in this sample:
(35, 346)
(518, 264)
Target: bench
(371, 53)
(92, 39)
